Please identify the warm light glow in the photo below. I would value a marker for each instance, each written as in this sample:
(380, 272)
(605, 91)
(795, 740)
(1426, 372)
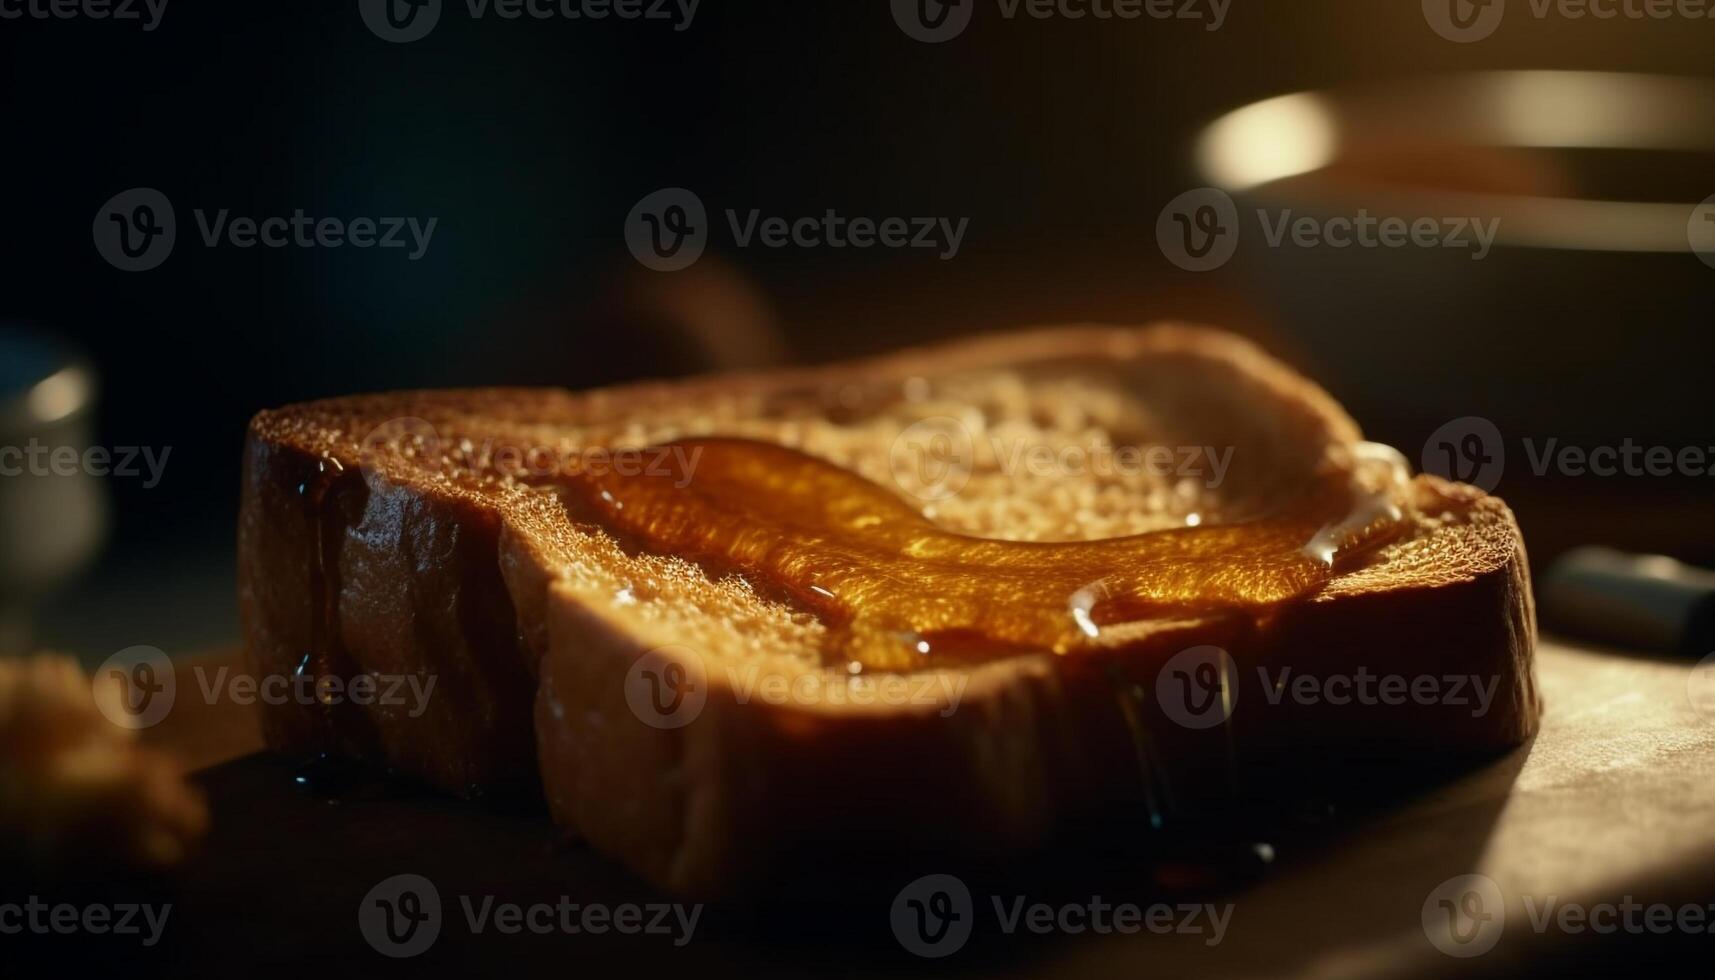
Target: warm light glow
(1594, 110)
(1284, 136)
(1612, 226)
(1296, 134)
(59, 395)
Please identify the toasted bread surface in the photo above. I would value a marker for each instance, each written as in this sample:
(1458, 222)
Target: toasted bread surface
(412, 533)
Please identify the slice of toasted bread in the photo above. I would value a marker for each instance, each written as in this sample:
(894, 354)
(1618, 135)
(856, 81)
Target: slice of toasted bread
(697, 720)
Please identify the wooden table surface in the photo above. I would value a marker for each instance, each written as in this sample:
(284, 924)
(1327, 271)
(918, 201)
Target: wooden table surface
(1613, 801)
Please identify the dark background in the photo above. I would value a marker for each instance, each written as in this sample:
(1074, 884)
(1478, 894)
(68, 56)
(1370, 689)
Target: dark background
(530, 141)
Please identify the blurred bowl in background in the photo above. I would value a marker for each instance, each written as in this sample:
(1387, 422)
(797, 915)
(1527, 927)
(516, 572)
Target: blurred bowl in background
(53, 510)
(1588, 318)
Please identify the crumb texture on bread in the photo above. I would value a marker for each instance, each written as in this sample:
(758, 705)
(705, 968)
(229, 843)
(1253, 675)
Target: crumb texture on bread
(454, 556)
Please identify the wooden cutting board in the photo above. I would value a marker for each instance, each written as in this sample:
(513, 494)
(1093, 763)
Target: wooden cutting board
(1614, 799)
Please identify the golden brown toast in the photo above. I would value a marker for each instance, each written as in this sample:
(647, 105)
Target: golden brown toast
(838, 609)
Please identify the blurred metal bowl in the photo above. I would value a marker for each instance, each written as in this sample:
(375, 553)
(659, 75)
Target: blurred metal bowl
(1591, 315)
(51, 524)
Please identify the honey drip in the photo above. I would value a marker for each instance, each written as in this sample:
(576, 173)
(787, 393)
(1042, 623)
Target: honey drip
(900, 593)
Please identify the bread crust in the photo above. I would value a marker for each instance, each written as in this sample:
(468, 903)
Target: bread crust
(434, 580)
(1034, 748)
(410, 589)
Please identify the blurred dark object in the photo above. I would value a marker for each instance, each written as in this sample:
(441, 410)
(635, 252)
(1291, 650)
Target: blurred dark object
(709, 317)
(1060, 139)
(1648, 602)
(1588, 318)
(82, 796)
(53, 510)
